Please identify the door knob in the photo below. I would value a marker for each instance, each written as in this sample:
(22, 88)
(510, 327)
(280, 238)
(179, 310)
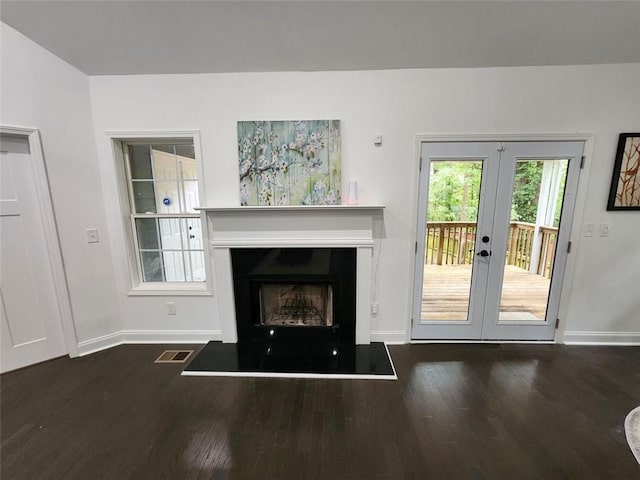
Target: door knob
(483, 253)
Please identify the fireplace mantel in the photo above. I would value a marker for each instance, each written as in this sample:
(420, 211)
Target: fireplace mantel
(310, 209)
(292, 226)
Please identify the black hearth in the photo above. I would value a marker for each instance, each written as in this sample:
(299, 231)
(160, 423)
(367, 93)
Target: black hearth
(295, 294)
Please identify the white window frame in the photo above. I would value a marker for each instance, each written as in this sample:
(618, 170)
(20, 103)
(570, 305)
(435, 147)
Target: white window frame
(119, 140)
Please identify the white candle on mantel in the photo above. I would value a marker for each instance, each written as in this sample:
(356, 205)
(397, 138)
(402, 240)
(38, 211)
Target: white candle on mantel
(352, 199)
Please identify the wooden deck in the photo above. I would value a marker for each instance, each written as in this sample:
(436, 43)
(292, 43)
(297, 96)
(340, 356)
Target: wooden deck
(445, 293)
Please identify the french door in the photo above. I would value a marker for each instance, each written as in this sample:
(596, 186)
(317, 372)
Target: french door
(493, 237)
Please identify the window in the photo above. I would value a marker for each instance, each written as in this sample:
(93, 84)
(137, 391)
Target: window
(162, 184)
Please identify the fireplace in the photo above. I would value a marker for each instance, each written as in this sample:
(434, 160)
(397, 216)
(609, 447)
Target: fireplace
(253, 233)
(295, 294)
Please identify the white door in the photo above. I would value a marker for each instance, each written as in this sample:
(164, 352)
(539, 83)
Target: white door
(493, 233)
(31, 327)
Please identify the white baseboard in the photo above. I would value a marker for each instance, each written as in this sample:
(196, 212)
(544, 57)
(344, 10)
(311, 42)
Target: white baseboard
(602, 338)
(147, 336)
(171, 336)
(100, 343)
(484, 342)
(190, 336)
(391, 337)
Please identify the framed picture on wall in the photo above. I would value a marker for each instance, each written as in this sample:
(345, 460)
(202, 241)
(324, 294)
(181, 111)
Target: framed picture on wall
(625, 183)
(295, 162)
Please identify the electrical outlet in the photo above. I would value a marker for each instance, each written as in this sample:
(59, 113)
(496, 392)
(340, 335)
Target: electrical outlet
(374, 308)
(171, 308)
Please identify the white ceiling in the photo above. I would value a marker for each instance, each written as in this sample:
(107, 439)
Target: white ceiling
(140, 37)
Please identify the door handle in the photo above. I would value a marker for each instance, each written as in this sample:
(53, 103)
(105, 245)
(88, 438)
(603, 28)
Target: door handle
(484, 253)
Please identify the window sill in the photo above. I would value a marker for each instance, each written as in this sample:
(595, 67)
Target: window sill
(170, 290)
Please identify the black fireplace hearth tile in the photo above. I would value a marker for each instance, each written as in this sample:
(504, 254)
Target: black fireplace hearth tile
(294, 360)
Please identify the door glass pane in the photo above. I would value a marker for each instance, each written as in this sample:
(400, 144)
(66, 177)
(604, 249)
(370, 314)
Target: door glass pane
(452, 213)
(536, 206)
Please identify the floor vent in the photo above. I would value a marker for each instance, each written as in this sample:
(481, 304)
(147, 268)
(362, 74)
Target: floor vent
(174, 356)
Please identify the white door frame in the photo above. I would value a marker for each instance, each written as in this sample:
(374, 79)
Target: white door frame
(51, 234)
(578, 214)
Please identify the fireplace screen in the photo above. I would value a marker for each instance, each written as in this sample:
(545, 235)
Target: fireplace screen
(296, 305)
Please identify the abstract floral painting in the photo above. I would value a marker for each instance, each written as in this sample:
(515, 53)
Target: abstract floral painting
(289, 162)
(625, 184)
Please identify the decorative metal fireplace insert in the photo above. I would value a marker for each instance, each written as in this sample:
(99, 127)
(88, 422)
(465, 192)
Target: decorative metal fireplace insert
(295, 294)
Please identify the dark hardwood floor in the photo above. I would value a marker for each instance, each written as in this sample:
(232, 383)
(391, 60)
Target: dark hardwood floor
(457, 411)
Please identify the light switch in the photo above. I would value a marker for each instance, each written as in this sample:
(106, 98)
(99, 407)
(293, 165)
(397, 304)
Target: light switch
(604, 229)
(377, 139)
(92, 235)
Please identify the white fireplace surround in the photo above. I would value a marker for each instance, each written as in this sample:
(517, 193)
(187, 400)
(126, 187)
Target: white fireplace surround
(292, 226)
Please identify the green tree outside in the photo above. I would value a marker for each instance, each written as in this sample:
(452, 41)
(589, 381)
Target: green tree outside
(454, 190)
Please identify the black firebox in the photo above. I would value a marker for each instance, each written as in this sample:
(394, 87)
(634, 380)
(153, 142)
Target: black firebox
(295, 294)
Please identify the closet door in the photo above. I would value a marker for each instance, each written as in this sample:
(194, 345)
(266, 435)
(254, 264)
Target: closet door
(31, 325)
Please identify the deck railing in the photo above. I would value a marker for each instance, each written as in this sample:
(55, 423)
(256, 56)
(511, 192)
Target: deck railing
(452, 243)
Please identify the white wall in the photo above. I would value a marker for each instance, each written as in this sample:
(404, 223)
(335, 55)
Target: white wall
(41, 91)
(603, 100)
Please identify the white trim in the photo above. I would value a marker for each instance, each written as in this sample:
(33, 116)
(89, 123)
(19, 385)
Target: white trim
(393, 367)
(47, 213)
(575, 236)
(502, 137)
(239, 242)
(290, 208)
(174, 289)
(30, 342)
(148, 336)
(578, 214)
(487, 342)
(389, 337)
(100, 343)
(601, 338)
(128, 237)
(333, 376)
(273, 227)
(171, 336)
(223, 284)
(364, 259)
(150, 134)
